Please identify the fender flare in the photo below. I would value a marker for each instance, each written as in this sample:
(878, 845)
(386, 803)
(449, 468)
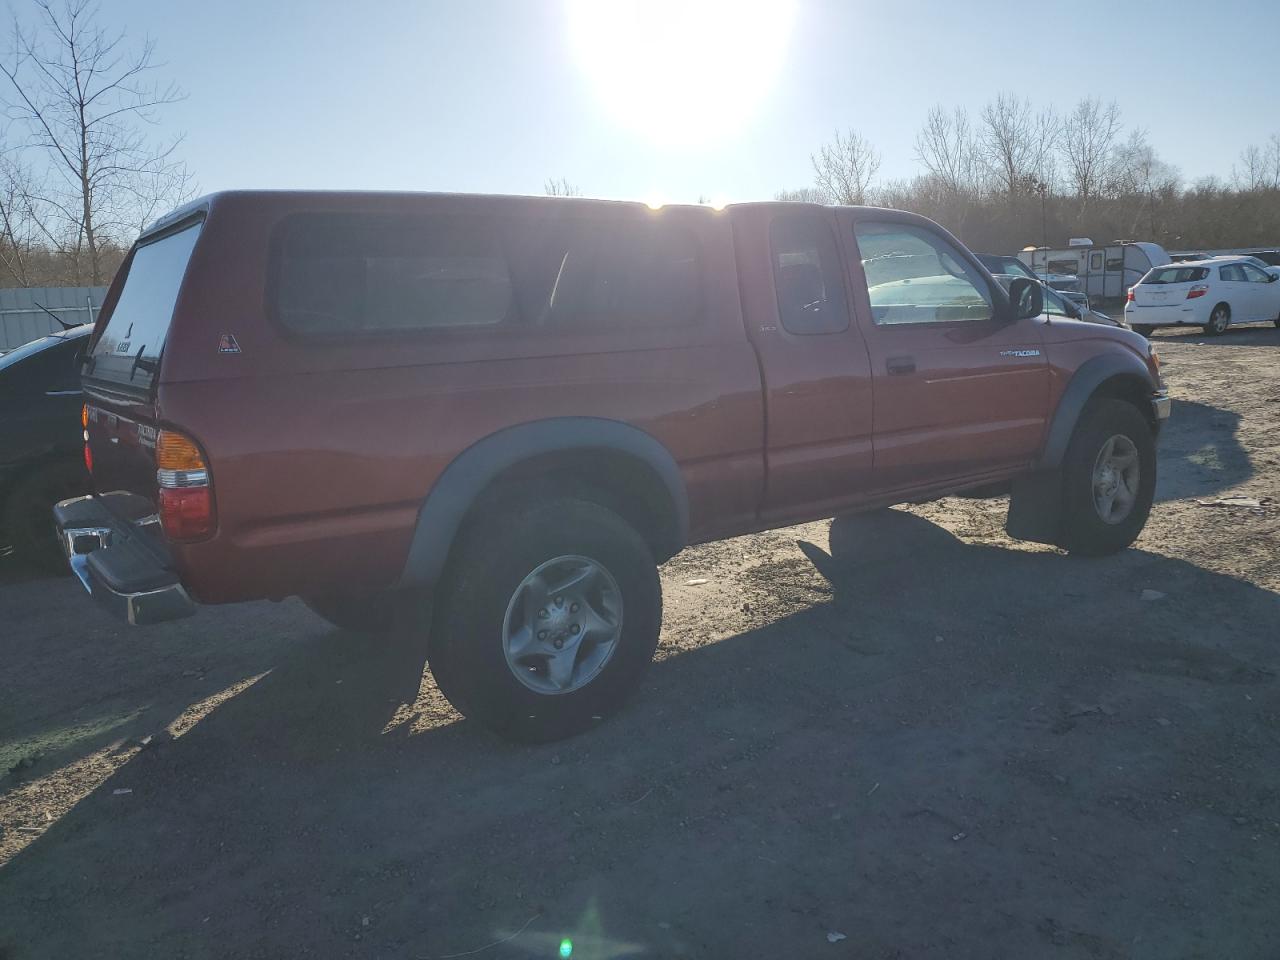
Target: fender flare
(1091, 375)
(457, 488)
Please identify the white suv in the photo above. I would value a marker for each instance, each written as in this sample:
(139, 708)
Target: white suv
(1212, 293)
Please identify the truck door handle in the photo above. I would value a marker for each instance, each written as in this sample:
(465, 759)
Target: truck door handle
(901, 365)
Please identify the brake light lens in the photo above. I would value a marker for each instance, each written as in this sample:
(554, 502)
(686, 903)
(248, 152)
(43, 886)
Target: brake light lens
(1199, 290)
(186, 493)
(84, 423)
(1130, 295)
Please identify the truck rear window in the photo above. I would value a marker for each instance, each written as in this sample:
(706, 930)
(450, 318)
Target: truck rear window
(129, 349)
(1176, 275)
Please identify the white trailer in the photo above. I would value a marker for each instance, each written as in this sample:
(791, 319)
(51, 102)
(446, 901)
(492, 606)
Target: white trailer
(1104, 271)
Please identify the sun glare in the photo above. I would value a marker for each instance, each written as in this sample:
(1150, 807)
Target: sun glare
(680, 71)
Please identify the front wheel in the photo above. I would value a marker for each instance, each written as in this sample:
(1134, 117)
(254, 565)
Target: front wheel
(547, 619)
(1219, 320)
(1145, 329)
(1109, 479)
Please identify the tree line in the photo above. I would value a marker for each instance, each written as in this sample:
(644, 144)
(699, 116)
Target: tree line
(80, 171)
(1015, 175)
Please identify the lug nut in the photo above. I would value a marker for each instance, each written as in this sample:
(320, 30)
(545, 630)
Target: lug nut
(559, 601)
(575, 628)
(573, 608)
(542, 634)
(559, 643)
(542, 614)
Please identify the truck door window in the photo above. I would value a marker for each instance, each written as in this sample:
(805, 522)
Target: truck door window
(1095, 261)
(915, 276)
(807, 275)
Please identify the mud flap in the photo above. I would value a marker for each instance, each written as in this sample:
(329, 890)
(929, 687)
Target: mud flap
(1035, 508)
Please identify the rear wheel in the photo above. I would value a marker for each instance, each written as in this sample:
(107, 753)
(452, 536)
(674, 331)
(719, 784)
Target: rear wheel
(1219, 320)
(29, 513)
(547, 619)
(1145, 329)
(1109, 479)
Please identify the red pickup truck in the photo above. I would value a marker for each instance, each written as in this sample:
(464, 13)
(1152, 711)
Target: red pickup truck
(504, 411)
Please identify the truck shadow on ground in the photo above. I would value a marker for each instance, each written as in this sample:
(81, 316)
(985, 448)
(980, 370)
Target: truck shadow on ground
(1200, 452)
(918, 720)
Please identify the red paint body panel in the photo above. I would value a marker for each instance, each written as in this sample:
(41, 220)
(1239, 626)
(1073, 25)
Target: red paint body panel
(321, 451)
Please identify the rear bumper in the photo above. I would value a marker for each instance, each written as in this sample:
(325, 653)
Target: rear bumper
(118, 557)
(1188, 313)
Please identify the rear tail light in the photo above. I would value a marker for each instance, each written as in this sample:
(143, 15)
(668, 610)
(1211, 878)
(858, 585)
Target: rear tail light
(1199, 290)
(84, 423)
(1130, 296)
(186, 495)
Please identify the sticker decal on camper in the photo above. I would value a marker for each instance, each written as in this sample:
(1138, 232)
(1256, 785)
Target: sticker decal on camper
(227, 344)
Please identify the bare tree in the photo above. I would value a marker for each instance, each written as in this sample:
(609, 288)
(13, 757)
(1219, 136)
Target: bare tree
(1259, 166)
(1138, 169)
(843, 169)
(1088, 135)
(82, 101)
(561, 187)
(801, 195)
(1016, 144)
(946, 148)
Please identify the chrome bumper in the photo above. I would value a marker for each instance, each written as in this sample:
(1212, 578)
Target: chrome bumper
(84, 531)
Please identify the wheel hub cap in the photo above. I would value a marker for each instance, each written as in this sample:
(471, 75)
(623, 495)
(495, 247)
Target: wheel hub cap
(1116, 476)
(562, 625)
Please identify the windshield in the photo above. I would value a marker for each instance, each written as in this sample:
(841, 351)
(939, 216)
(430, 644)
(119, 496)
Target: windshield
(130, 346)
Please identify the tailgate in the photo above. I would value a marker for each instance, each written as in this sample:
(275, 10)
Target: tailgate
(122, 445)
(1160, 294)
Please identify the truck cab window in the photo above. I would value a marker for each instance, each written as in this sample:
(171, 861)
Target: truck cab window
(915, 276)
(806, 275)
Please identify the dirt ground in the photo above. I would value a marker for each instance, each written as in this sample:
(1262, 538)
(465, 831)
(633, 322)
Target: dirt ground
(904, 729)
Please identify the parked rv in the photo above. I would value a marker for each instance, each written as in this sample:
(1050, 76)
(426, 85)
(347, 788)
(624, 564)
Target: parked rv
(1104, 271)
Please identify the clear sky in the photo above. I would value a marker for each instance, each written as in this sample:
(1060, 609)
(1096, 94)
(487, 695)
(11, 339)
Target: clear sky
(499, 95)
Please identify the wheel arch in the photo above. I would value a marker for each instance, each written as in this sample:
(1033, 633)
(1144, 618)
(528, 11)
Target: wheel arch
(1121, 376)
(614, 463)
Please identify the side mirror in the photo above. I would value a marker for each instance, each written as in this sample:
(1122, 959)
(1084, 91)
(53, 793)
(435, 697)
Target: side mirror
(1272, 277)
(1026, 298)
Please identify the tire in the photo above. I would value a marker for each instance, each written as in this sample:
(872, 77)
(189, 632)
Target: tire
(371, 614)
(1145, 329)
(1219, 320)
(28, 514)
(1117, 426)
(493, 586)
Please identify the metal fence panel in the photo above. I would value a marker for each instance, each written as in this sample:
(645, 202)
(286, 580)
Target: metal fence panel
(22, 318)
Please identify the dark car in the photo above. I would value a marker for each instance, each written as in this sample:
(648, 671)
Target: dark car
(1270, 257)
(41, 443)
